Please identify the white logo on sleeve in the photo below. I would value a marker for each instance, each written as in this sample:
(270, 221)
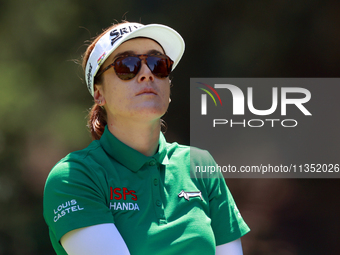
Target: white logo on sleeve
(188, 195)
(66, 208)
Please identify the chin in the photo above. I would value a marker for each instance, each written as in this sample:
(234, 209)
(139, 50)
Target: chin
(151, 113)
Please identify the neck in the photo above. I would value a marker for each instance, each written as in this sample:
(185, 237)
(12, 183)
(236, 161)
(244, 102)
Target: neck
(140, 136)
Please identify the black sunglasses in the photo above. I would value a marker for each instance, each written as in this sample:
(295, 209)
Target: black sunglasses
(128, 66)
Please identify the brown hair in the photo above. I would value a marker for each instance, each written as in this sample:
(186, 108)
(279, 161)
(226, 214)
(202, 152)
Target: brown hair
(97, 117)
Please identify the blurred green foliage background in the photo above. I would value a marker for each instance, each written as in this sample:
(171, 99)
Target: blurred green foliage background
(44, 102)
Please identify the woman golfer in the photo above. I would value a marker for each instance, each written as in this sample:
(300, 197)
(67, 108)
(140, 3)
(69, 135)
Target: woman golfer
(129, 191)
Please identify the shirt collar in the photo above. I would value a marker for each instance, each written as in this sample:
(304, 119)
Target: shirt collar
(129, 157)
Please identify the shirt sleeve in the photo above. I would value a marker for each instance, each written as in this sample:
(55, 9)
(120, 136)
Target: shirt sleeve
(75, 196)
(226, 220)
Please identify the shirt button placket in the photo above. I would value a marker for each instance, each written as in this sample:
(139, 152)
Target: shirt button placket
(156, 186)
(155, 182)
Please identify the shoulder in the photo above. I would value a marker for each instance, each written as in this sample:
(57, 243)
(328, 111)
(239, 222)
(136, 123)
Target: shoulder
(88, 154)
(82, 163)
(194, 159)
(79, 176)
(194, 154)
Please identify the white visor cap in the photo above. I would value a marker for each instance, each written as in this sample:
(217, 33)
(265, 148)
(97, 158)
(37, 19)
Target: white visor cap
(169, 39)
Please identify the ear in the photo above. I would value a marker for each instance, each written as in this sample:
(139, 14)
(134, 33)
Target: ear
(98, 95)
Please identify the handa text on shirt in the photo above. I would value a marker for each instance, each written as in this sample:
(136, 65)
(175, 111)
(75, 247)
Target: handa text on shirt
(124, 206)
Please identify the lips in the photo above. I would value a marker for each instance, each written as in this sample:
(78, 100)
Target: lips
(147, 91)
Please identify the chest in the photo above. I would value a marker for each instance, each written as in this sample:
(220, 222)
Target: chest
(163, 207)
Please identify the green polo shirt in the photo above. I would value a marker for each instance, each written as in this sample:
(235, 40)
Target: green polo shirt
(154, 203)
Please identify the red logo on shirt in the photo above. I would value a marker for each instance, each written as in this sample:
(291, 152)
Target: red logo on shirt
(122, 193)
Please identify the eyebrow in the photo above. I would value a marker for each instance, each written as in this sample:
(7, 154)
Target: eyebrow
(155, 52)
(130, 52)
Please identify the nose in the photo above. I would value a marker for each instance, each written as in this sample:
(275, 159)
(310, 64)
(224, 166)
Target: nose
(145, 73)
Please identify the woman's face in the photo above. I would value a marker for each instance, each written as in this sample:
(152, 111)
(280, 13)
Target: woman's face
(145, 97)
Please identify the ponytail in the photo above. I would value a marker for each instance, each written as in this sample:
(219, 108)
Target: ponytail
(97, 117)
(97, 120)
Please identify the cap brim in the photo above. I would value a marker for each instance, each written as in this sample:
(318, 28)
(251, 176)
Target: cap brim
(169, 39)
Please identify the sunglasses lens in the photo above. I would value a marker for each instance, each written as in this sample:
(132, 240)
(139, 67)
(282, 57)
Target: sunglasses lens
(127, 67)
(159, 65)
